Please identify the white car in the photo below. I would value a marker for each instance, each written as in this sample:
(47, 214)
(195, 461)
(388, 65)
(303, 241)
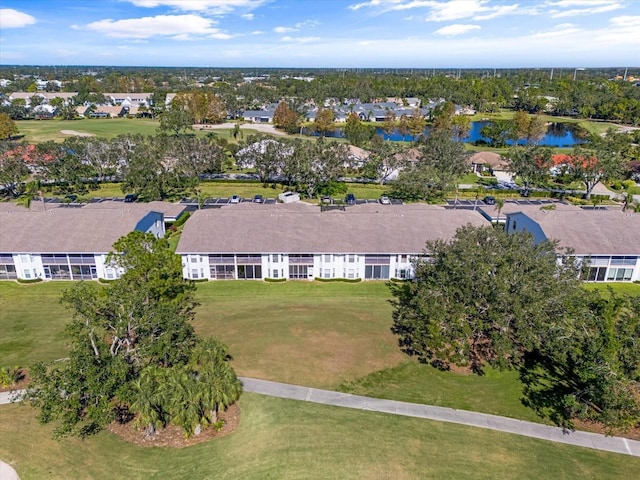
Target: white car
(235, 199)
(384, 200)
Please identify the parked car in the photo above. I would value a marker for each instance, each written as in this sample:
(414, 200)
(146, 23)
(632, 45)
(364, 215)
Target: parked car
(257, 199)
(235, 199)
(384, 200)
(326, 200)
(489, 200)
(350, 199)
(131, 197)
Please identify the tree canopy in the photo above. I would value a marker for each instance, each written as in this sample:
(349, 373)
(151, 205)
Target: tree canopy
(492, 298)
(129, 338)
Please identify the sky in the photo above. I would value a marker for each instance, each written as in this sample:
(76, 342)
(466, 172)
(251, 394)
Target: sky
(322, 33)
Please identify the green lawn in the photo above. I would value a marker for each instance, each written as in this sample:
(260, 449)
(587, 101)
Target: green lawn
(36, 131)
(285, 439)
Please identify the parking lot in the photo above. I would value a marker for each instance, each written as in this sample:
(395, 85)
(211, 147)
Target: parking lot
(472, 204)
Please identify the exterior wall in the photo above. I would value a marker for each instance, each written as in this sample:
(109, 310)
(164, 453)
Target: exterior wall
(519, 222)
(603, 268)
(280, 265)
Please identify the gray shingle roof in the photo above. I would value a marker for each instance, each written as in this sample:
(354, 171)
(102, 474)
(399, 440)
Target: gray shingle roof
(591, 232)
(65, 230)
(302, 228)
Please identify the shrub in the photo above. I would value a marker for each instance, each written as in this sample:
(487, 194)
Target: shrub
(345, 280)
(181, 219)
(10, 376)
(275, 280)
(29, 280)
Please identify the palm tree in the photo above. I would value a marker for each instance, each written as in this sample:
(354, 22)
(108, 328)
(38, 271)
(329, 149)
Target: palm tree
(31, 192)
(499, 205)
(146, 400)
(218, 384)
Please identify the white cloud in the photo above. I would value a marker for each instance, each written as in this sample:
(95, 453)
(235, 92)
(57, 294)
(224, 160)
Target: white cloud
(456, 29)
(165, 25)
(248, 16)
(10, 18)
(444, 11)
(560, 30)
(284, 29)
(212, 6)
(626, 21)
(585, 11)
(499, 11)
(579, 3)
(300, 39)
(257, 32)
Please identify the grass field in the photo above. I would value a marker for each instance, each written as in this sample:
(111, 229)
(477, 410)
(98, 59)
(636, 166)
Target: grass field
(327, 335)
(284, 439)
(36, 131)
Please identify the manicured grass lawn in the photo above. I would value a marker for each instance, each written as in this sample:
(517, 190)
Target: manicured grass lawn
(36, 131)
(622, 288)
(495, 392)
(307, 333)
(285, 439)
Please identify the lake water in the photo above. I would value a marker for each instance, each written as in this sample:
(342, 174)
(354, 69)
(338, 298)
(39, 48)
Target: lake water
(558, 135)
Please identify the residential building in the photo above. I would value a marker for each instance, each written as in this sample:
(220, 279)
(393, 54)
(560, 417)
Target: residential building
(608, 239)
(298, 241)
(68, 242)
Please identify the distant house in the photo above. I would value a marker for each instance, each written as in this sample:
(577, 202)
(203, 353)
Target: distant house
(607, 240)
(130, 99)
(490, 162)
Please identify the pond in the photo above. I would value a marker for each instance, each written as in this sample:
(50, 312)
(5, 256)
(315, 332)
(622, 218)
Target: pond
(558, 135)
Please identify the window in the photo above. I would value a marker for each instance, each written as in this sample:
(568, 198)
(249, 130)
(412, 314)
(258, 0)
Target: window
(8, 272)
(83, 272)
(327, 273)
(110, 273)
(194, 273)
(301, 259)
(27, 274)
(298, 271)
(377, 259)
(249, 271)
(623, 260)
(351, 273)
(24, 258)
(403, 258)
(194, 258)
(401, 273)
(376, 272)
(222, 272)
(327, 258)
(352, 258)
(620, 274)
(274, 273)
(275, 258)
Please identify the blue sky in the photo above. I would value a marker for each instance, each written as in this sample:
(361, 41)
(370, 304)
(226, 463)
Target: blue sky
(322, 33)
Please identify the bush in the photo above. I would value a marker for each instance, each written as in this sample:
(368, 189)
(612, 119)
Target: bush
(275, 280)
(10, 376)
(345, 280)
(29, 280)
(181, 219)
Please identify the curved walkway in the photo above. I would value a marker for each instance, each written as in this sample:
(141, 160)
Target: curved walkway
(474, 419)
(463, 417)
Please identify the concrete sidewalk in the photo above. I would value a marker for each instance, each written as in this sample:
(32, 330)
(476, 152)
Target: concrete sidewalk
(7, 472)
(442, 414)
(463, 417)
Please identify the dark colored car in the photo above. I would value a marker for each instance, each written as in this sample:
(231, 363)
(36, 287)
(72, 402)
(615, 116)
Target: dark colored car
(350, 199)
(257, 199)
(489, 200)
(130, 198)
